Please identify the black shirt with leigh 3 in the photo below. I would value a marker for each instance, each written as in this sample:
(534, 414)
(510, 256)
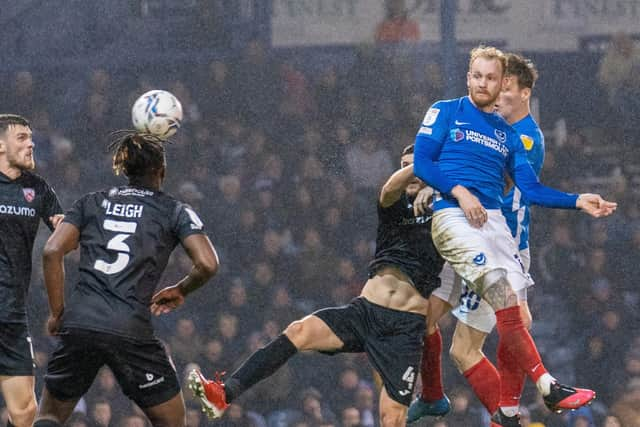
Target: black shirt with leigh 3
(126, 237)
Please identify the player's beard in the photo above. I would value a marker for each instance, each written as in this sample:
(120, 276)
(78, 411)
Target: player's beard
(486, 100)
(25, 162)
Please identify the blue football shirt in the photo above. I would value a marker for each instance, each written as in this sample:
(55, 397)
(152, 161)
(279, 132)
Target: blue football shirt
(515, 209)
(459, 144)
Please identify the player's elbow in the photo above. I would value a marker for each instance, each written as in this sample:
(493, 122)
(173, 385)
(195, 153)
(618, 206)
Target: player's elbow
(389, 195)
(208, 266)
(52, 251)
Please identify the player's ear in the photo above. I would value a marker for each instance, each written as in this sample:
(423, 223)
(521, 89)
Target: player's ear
(3, 145)
(526, 94)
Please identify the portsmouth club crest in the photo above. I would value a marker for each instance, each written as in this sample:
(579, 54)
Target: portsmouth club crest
(457, 135)
(29, 194)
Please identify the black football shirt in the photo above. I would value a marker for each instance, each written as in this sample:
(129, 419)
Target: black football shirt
(24, 201)
(404, 241)
(126, 237)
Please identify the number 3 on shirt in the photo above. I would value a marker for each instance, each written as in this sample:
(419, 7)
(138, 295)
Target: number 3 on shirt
(124, 230)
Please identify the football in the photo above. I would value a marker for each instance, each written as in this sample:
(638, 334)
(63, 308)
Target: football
(157, 112)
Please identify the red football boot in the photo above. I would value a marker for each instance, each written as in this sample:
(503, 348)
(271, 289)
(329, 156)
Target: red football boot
(210, 392)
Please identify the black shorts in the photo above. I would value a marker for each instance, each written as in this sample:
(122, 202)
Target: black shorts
(16, 350)
(391, 339)
(142, 368)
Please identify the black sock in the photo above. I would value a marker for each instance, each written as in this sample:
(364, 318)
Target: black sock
(260, 365)
(45, 423)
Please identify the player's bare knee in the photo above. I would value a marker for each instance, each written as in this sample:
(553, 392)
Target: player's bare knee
(464, 355)
(458, 354)
(23, 414)
(392, 417)
(497, 291)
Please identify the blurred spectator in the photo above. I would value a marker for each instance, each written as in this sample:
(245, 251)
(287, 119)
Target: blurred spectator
(618, 74)
(100, 413)
(365, 402)
(592, 368)
(619, 68)
(627, 406)
(107, 389)
(217, 82)
(226, 330)
(368, 163)
(314, 410)
(347, 284)
(560, 259)
(214, 355)
(190, 108)
(297, 101)
(461, 411)
(236, 416)
(257, 85)
(612, 421)
(350, 417)
(582, 417)
(78, 419)
(315, 267)
(23, 95)
(194, 416)
(282, 309)
(329, 95)
(397, 26)
(238, 304)
(189, 193)
(186, 343)
(347, 387)
(273, 392)
(134, 421)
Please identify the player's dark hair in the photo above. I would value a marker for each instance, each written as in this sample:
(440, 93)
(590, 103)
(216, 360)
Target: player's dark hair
(522, 69)
(7, 120)
(136, 154)
(408, 149)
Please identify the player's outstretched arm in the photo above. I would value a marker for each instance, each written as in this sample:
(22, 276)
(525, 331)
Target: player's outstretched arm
(205, 265)
(539, 194)
(595, 205)
(395, 186)
(64, 239)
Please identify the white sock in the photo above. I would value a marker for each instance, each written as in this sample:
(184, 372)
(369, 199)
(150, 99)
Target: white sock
(544, 384)
(509, 411)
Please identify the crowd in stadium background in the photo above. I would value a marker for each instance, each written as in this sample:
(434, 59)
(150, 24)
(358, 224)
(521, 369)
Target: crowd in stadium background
(283, 162)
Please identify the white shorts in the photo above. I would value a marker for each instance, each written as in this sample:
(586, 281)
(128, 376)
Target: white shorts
(480, 251)
(468, 307)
